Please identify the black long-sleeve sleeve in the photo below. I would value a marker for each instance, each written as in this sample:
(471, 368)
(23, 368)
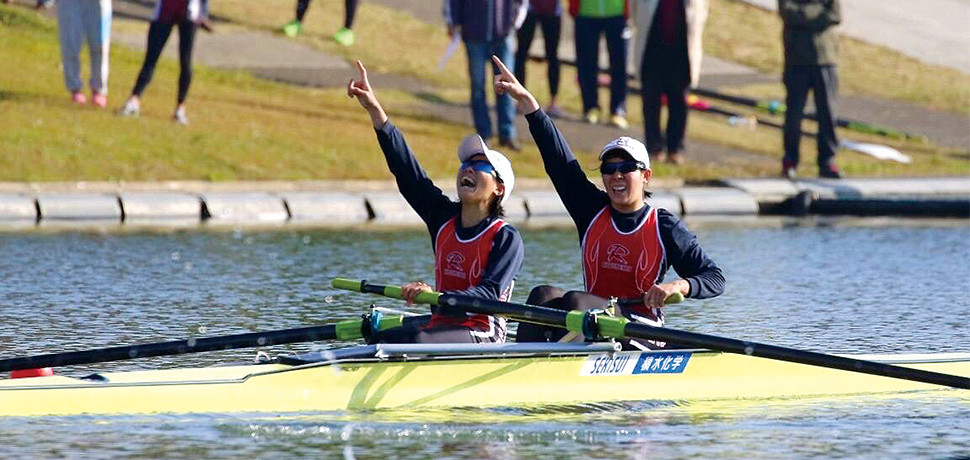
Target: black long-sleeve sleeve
(431, 204)
(685, 255)
(581, 197)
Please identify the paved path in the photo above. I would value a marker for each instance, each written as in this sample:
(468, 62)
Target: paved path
(933, 31)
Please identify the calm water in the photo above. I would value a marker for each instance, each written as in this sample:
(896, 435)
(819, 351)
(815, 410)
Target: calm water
(833, 286)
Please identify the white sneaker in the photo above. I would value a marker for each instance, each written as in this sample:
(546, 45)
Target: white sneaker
(131, 109)
(179, 117)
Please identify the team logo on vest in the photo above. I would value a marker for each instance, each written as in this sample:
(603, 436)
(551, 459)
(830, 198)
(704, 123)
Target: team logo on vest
(455, 264)
(616, 258)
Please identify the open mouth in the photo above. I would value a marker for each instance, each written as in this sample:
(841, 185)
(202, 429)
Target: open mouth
(466, 182)
(618, 188)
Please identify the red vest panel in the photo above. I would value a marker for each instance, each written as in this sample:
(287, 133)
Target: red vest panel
(459, 265)
(617, 264)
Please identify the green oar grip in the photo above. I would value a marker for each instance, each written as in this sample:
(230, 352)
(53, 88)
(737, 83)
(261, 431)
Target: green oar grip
(430, 298)
(674, 298)
(349, 330)
(346, 284)
(606, 326)
(353, 328)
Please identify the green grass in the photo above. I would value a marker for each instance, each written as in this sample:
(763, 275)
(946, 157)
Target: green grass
(243, 128)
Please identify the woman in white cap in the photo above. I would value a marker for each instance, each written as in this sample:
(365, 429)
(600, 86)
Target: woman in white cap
(627, 245)
(476, 252)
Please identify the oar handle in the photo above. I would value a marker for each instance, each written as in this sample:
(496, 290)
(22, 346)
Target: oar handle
(430, 298)
(676, 297)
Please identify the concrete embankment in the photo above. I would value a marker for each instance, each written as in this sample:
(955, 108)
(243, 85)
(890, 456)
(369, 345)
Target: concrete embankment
(334, 204)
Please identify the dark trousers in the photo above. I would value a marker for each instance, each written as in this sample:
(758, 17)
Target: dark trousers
(824, 83)
(350, 10)
(664, 71)
(551, 29)
(588, 32)
(158, 34)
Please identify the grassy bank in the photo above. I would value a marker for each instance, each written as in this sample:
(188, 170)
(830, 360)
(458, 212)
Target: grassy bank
(243, 128)
(424, 44)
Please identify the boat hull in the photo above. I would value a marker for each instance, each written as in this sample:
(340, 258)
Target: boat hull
(452, 381)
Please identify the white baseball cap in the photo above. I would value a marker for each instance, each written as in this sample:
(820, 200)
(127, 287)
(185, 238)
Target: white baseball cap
(474, 145)
(631, 146)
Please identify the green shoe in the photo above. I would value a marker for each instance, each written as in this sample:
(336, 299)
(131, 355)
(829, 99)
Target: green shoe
(344, 36)
(293, 29)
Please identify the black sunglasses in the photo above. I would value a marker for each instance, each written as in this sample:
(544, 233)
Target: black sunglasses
(607, 168)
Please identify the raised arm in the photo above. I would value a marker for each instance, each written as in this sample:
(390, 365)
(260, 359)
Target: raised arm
(580, 196)
(431, 204)
(361, 90)
(506, 83)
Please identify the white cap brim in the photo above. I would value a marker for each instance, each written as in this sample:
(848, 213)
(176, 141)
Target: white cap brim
(474, 145)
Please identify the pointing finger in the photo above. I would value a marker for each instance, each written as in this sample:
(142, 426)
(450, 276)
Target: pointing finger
(362, 70)
(501, 67)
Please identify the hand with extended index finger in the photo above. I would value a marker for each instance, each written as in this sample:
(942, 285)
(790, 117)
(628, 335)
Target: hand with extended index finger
(506, 83)
(361, 90)
(360, 87)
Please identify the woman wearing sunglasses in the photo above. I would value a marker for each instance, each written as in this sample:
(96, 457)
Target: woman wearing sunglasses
(627, 245)
(476, 252)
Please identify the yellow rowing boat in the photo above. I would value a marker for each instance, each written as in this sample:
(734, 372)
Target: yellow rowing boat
(417, 376)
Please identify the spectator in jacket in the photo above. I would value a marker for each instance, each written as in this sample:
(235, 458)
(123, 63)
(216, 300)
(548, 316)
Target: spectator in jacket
(487, 29)
(596, 18)
(811, 52)
(668, 51)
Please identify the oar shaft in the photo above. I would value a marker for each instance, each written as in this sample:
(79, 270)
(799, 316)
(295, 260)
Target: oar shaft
(792, 355)
(344, 330)
(609, 326)
(176, 347)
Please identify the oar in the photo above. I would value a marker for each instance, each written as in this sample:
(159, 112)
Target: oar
(619, 327)
(344, 330)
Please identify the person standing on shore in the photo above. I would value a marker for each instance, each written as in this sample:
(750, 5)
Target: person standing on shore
(188, 16)
(548, 15)
(668, 61)
(811, 52)
(80, 21)
(487, 28)
(344, 36)
(593, 19)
